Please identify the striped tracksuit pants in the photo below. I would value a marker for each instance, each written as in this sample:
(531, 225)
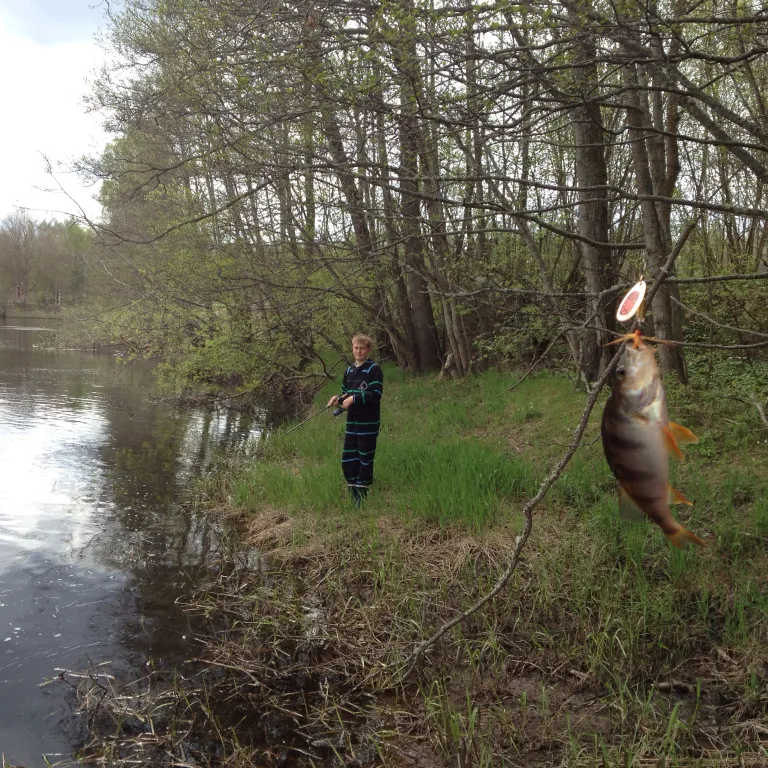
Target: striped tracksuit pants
(359, 451)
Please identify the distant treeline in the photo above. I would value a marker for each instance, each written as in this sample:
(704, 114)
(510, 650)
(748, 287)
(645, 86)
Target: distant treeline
(42, 263)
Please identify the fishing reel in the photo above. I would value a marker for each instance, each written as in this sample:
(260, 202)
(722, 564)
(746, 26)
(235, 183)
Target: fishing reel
(337, 412)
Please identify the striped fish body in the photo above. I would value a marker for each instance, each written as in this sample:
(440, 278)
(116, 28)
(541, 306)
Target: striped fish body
(637, 438)
(634, 446)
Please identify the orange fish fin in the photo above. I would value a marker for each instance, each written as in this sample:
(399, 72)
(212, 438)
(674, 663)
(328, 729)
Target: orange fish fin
(675, 497)
(671, 443)
(634, 337)
(637, 340)
(683, 435)
(628, 509)
(683, 539)
(622, 338)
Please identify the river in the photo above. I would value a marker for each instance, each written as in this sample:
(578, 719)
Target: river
(95, 545)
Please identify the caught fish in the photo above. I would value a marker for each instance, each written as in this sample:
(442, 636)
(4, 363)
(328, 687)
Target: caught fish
(638, 438)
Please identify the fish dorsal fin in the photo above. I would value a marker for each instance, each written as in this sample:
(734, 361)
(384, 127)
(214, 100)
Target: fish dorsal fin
(671, 443)
(628, 509)
(675, 497)
(683, 435)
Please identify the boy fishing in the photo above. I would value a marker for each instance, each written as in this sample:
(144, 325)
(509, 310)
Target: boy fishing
(361, 391)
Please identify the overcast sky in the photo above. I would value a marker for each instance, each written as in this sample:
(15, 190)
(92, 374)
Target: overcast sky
(47, 51)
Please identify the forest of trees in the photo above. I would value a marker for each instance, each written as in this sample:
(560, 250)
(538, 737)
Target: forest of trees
(42, 263)
(481, 180)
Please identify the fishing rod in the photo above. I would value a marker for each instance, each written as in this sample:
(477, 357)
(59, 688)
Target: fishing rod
(301, 423)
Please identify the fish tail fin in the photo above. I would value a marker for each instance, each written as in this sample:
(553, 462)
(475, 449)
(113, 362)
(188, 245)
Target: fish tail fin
(683, 538)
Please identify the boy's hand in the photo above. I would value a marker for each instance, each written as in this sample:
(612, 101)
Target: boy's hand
(347, 402)
(333, 401)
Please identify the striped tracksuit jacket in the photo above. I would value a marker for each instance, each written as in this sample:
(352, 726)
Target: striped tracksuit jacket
(366, 383)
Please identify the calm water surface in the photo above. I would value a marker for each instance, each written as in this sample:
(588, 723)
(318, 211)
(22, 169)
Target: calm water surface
(94, 545)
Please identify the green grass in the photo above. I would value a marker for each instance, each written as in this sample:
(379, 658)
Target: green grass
(441, 454)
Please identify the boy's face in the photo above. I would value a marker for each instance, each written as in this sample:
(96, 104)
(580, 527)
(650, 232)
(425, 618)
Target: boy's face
(360, 352)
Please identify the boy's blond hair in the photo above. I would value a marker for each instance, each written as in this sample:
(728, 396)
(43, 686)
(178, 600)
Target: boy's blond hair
(361, 338)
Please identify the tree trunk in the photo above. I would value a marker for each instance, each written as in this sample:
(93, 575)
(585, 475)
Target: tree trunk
(421, 304)
(591, 172)
(410, 207)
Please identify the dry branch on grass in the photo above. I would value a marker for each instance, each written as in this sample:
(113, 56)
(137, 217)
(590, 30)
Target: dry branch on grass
(521, 540)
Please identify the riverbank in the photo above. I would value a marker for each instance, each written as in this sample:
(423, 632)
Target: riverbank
(14, 312)
(608, 647)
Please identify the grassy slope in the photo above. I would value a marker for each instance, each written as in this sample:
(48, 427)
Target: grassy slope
(609, 645)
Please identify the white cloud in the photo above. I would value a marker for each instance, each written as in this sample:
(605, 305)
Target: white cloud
(41, 91)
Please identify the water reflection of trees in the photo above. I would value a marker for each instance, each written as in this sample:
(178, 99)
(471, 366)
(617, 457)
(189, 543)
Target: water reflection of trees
(110, 469)
(153, 455)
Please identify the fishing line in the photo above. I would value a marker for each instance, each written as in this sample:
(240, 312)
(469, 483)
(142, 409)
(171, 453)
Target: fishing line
(293, 429)
(301, 423)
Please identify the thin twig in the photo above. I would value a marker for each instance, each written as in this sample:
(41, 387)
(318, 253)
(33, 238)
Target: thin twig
(538, 360)
(665, 270)
(726, 347)
(719, 278)
(714, 322)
